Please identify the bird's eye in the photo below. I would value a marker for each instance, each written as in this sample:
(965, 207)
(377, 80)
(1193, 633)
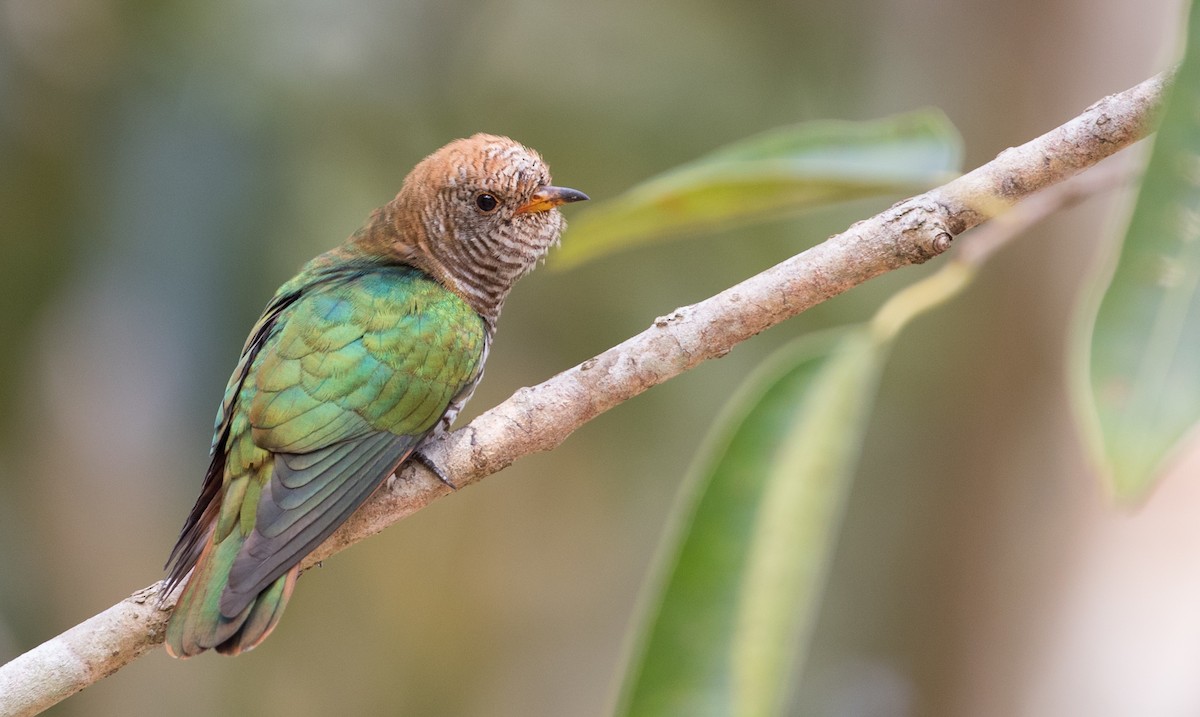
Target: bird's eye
(486, 202)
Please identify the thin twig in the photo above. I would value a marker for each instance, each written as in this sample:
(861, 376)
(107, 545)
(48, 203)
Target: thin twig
(1006, 227)
(539, 418)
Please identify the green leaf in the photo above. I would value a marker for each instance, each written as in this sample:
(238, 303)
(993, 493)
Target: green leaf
(1144, 360)
(778, 172)
(794, 534)
(749, 552)
(756, 539)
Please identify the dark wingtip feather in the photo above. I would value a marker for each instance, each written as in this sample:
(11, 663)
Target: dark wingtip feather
(262, 616)
(283, 536)
(198, 526)
(198, 623)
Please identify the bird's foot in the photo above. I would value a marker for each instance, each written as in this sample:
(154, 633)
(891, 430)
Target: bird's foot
(434, 468)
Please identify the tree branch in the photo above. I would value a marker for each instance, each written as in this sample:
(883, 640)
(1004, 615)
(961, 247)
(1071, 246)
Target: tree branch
(538, 419)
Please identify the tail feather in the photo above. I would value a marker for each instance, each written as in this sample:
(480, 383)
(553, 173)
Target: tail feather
(261, 616)
(197, 624)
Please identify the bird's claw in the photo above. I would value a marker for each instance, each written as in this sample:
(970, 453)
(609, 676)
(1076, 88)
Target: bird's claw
(434, 468)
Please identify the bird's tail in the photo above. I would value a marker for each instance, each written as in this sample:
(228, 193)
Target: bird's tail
(197, 623)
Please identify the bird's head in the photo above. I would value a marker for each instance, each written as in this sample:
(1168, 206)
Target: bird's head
(479, 214)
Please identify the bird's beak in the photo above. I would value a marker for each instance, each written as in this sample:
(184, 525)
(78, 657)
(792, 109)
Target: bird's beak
(550, 197)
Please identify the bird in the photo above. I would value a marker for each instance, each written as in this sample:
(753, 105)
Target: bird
(374, 347)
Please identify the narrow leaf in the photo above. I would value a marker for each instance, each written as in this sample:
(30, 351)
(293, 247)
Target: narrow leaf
(746, 568)
(785, 170)
(688, 659)
(794, 533)
(1144, 360)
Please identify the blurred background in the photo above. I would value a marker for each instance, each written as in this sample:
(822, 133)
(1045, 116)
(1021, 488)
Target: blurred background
(164, 166)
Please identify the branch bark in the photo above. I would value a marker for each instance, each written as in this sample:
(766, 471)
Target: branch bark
(538, 419)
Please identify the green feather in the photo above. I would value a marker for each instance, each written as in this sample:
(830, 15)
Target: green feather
(349, 368)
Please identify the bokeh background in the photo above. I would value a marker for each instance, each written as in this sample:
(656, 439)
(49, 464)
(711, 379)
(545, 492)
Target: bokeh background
(164, 166)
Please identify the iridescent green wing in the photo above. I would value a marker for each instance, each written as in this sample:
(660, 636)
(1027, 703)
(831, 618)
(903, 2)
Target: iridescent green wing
(213, 495)
(352, 376)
